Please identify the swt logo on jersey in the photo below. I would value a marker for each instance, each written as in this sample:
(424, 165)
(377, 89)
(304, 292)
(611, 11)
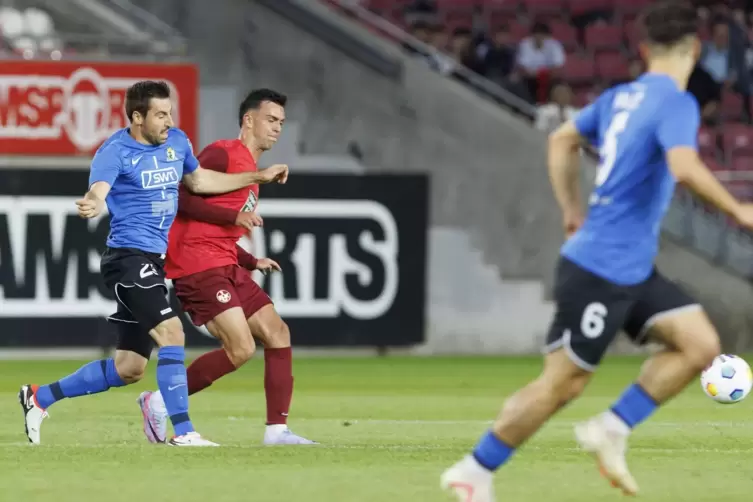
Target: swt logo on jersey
(159, 178)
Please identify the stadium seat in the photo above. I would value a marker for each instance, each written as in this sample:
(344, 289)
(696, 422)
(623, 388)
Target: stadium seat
(500, 18)
(509, 7)
(611, 66)
(565, 33)
(713, 164)
(743, 190)
(458, 18)
(12, 22)
(601, 36)
(732, 106)
(737, 139)
(708, 142)
(519, 31)
(743, 163)
(632, 7)
(542, 8)
(579, 7)
(449, 5)
(579, 69)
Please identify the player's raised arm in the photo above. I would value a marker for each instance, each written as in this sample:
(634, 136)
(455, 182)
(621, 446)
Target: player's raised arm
(206, 181)
(678, 136)
(105, 169)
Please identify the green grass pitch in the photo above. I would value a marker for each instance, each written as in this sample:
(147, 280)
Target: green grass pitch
(388, 427)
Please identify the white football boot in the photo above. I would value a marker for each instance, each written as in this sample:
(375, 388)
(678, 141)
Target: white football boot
(608, 445)
(33, 413)
(190, 439)
(278, 434)
(155, 416)
(469, 481)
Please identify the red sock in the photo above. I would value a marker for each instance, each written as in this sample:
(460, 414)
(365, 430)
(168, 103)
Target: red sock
(206, 369)
(278, 384)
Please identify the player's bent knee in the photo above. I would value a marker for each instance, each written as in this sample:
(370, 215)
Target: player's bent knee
(241, 352)
(169, 333)
(130, 366)
(562, 378)
(705, 350)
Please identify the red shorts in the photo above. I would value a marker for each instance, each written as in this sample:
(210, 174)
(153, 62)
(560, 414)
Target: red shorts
(207, 294)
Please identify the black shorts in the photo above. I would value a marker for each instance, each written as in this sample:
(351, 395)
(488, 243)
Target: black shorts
(138, 280)
(591, 311)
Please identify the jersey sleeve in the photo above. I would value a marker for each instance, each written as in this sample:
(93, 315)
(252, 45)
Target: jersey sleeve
(197, 207)
(246, 259)
(106, 165)
(190, 162)
(587, 120)
(679, 123)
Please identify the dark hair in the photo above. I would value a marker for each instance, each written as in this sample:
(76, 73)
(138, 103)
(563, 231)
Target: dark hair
(541, 28)
(668, 22)
(139, 94)
(258, 96)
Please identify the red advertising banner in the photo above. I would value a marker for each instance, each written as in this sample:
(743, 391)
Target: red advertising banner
(71, 107)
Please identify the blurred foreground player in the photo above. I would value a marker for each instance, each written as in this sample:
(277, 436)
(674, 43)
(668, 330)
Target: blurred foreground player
(136, 171)
(212, 277)
(606, 281)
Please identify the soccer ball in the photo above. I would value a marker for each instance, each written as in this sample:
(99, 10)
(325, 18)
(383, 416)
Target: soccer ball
(728, 380)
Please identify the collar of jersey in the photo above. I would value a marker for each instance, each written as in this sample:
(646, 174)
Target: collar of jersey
(126, 138)
(656, 77)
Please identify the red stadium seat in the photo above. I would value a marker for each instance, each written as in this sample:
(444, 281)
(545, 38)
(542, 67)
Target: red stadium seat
(612, 66)
(732, 106)
(742, 163)
(539, 8)
(509, 7)
(713, 164)
(579, 7)
(708, 142)
(456, 18)
(603, 36)
(579, 69)
(381, 6)
(737, 139)
(448, 5)
(565, 33)
(500, 18)
(519, 31)
(630, 7)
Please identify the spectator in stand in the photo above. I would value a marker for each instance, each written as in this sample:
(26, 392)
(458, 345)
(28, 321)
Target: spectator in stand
(725, 61)
(558, 111)
(538, 56)
(708, 93)
(495, 58)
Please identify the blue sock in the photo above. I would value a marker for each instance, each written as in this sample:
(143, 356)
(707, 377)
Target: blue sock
(91, 378)
(173, 385)
(634, 406)
(491, 452)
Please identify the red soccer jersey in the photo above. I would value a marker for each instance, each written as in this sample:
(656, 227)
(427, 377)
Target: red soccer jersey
(195, 246)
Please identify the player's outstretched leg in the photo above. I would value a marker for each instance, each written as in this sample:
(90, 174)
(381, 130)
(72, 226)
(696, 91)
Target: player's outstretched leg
(692, 343)
(92, 378)
(237, 347)
(173, 384)
(267, 326)
(522, 415)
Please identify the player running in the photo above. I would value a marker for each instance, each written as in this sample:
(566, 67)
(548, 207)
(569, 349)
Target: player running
(212, 279)
(606, 281)
(136, 173)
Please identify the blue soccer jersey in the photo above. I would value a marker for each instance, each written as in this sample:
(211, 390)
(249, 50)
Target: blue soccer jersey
(143, 199)
(633, 125)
